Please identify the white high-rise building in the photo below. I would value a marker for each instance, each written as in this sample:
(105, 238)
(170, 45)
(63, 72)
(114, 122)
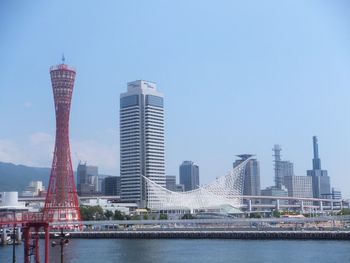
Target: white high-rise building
(141, 139)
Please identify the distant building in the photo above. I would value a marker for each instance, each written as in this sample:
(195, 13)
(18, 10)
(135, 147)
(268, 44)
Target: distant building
(274, 191)
(141, 140)
(320, 180)
(251, 175)
(87, 179)
(189, 175)
(179, 188)
(170, 182)
(336, 194)
(9, 202)
(282, 168)
(100, 184)
(299, 186)
(35, 188)
(112, 185)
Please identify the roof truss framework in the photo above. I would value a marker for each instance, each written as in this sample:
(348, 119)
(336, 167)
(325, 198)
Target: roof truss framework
(225, 190)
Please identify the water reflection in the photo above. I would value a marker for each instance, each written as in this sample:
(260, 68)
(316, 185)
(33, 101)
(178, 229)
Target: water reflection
(201, 251)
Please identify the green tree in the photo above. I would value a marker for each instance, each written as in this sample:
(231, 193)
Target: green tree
(118, 215)
(135, 217)
(109, 214)
(276, 213)
(344, 211)
(91, 213)
(163, 216)
(188, 216)
(255, 215)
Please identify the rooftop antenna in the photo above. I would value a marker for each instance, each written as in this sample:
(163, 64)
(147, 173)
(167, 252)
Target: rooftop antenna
(63, 58)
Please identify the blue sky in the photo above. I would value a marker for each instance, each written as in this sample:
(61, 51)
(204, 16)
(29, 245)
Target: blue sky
(238, 77)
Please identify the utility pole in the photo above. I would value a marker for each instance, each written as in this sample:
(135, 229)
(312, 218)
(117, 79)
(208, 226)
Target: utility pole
(63, 241)
(14, 244)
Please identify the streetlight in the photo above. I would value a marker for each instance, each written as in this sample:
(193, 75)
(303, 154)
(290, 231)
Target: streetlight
(63, 241)
(14, 239)
(14, 244)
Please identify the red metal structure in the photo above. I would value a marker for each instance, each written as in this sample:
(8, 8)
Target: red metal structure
(62, 202)
(31, 223)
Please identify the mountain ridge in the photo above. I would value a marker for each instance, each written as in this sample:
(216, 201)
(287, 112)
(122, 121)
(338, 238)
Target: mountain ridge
(15, 177)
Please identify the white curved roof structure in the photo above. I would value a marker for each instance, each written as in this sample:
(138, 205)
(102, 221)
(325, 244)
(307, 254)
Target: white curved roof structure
(223, 192)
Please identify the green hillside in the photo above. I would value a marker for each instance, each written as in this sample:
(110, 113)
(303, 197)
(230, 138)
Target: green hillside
(17, 177)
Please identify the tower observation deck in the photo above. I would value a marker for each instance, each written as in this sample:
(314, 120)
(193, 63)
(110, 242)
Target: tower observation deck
(62, 200)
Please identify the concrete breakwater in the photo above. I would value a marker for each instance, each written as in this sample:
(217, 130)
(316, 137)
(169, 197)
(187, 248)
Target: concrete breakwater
(296, 235)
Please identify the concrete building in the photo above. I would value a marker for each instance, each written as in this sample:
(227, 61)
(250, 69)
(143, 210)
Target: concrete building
(141, 139)
(282, 168)
(112, 185)
(179, 188)
(274, 191)
(100, 184)
(170, 182)
(320, 179)
(9, 202)
(189, 175)
(299, 186)
(35, 188)
(251, 175)
(87, 180)
(336, 194)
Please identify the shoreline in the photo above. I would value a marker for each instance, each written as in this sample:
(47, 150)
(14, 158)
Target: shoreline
(193, 234)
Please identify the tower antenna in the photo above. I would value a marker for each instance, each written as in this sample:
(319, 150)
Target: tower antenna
(63, 58)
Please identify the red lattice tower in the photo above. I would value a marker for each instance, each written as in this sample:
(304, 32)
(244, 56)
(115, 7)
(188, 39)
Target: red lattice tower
(62, 202)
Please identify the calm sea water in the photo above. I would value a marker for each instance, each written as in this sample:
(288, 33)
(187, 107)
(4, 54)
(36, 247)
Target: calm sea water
(181, 250)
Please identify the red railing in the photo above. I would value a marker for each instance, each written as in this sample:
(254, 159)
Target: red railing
(11, 218)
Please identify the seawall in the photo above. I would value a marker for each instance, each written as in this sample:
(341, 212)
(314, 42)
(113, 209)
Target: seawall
(282, 235)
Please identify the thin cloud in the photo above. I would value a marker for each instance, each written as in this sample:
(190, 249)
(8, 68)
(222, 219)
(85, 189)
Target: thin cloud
(27, 104)
(37, 150)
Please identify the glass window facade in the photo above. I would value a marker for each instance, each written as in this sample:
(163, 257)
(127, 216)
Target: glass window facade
(129, 101)
(154, 101)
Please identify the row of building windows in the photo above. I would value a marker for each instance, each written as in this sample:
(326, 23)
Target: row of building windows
(155, 144)
(154, 150)
(130, 112)
(128, 124)
(155, 155)
(130, 137)
(154, 101)
(153, 111)
(151, 107)
(154, 126)
(129, 101)
(151, 136)
(130, 141)
(129, 131)
(129, 119)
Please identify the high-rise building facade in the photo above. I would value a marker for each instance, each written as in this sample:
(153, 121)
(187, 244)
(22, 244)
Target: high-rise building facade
(179, 188)
(336, 194)
(170, 182)
(282, 168)
(62, 202)
(112, 185)
(251, 174)
(299, 186)
(141, 139)
(320, 180)
(87, 179)
(189, 175)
